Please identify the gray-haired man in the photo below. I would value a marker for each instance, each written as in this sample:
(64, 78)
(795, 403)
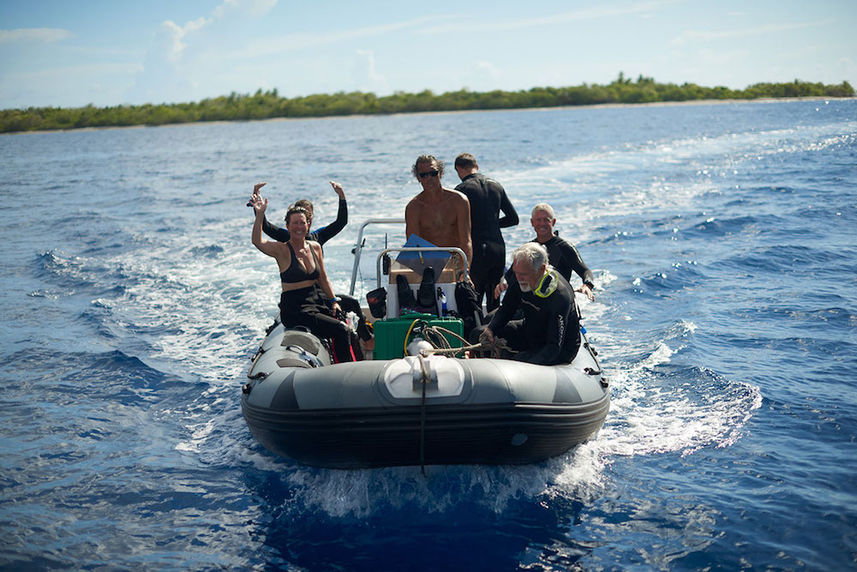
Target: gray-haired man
(550, 331)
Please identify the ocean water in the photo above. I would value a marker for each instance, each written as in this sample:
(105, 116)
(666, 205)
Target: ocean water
(722, 237)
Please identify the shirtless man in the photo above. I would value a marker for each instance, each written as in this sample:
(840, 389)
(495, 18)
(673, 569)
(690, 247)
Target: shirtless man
(439, 215)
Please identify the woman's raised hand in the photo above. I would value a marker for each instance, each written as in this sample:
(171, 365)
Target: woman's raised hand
(258, 203)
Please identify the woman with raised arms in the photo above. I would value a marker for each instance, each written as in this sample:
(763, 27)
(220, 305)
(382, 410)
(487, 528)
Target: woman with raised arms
(304, 280)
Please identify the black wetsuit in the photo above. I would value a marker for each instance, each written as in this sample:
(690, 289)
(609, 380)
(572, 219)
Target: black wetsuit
(306, 307)
(550, 331)
(487, 199)
(564, 257)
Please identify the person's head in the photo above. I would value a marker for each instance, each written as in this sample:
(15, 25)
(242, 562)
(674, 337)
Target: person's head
(297, 220)
(428, 169)
(529, 263)
(465, 164)
(306, 205)
(543, 221)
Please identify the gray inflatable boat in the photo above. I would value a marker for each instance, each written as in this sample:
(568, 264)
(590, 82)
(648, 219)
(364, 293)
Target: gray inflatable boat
(418, 410)
(423, 409)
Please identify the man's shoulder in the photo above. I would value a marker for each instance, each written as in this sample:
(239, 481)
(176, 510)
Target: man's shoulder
(478, 181)
(562, 283)
(469, 182)
(417, 201)
(494, 184)
(469, 189)
(564, 293)
(455, 194)
(557, 241)
(552, 242)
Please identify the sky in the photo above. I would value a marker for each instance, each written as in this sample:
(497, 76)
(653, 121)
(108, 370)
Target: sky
(60, 53)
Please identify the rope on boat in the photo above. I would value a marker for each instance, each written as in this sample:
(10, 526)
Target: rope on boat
(408, 335)
(443, 351)
(424, 379)
(435, 336)
(441, 344)
(499, 347)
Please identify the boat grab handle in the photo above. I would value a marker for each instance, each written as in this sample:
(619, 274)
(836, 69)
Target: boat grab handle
(311, 359)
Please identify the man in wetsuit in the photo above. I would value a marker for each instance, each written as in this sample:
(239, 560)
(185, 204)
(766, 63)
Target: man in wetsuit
(487, 200)
(549, 332)
(563, 256)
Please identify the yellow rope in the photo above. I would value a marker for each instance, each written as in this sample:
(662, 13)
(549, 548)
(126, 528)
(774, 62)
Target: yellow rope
(410, 329)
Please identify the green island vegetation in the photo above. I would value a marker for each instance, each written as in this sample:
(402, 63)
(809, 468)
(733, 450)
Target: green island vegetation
(267, 105)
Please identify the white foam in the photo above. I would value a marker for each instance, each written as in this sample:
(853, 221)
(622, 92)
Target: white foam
(652, 415)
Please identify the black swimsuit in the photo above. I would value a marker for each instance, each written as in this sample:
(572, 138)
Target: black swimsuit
(306, 307)
(296, 272)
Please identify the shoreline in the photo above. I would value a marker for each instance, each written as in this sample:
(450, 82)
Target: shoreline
(696, 102)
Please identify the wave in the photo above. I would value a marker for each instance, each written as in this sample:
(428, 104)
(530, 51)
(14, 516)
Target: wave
(112, 377)
(660, 407)
(208, 251)
(668, 283)
(788, 258)
(76, 273)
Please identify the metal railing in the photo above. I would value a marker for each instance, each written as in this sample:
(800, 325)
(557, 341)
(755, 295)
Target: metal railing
(358, 251)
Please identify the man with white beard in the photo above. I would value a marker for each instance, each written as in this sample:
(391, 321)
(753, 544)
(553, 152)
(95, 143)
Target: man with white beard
(549, 333)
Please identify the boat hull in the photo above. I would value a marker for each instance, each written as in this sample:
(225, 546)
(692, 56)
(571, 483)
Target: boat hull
(442, 435)
(413, 411)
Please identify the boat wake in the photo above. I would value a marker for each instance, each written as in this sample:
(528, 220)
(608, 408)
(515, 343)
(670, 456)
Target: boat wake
(657, 408)
(661, 407)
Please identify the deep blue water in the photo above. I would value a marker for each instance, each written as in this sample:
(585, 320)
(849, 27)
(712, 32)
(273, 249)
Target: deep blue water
(723, 242)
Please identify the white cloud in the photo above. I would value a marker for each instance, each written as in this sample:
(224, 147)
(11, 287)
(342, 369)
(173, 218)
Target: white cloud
(173, 36)
(488, 69)
(173, 63)
(368, 57)
(366, 77)
(33, 35)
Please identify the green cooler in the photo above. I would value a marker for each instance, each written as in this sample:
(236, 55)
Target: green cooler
(390, 333)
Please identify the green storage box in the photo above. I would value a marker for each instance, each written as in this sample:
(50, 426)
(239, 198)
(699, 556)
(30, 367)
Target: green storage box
(390, 333)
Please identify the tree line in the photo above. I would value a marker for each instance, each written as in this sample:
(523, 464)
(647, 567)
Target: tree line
(268, 104)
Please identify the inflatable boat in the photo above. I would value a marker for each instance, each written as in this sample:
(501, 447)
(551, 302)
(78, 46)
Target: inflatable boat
(420, 399)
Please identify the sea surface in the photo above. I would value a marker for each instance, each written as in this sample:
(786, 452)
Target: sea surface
(723, 238)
